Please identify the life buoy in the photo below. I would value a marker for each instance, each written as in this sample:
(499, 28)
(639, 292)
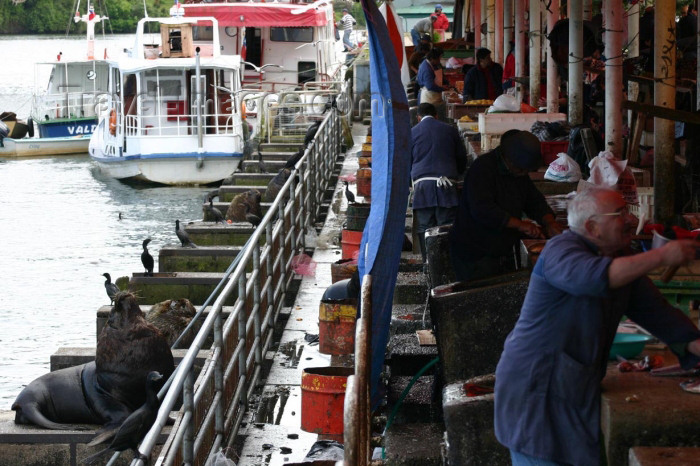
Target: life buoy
(244, 111)
(113, 122)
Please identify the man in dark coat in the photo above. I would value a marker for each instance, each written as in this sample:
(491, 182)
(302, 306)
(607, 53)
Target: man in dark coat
(485, 80)
(497, 194)
(547, 400)
(438, 158)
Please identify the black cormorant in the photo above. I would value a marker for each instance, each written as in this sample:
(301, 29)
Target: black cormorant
(183, 236)
(110, 287)
(252, 218)
(294, 159)
(147, 259)
(261, 164)
(349, 194)
(214, 213)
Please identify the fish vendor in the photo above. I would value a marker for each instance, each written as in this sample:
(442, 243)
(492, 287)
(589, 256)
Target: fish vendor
(547, 395)
(497, 192)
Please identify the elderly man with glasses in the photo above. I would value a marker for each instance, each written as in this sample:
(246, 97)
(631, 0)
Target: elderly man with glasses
(547, 400)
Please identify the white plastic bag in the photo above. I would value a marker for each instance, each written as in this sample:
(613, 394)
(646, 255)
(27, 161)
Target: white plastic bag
(564, 168)
(219, 459)
(506, 103)
(606, 170)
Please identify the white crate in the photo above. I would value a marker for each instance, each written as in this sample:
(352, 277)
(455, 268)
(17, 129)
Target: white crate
(493, 125)
(646, 203)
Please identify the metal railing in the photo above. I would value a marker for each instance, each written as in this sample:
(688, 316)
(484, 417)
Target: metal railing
(214, 402)
(67, 105)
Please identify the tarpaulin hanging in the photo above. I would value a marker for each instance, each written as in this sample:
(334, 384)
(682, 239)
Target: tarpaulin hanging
(393, 24)
(383, 236)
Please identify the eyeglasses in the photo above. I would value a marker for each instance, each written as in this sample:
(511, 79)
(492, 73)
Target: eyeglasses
(622, 212)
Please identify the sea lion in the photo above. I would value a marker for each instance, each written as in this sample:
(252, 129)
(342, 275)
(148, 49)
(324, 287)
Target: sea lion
(128, 349)
(171, 317)
(237, 209)
(68, 396)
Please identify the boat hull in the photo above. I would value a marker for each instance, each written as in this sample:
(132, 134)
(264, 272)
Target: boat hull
(169, 169)
(67, 128)
(40, 147)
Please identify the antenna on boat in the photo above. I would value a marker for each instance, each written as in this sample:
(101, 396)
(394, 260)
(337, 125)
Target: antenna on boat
(145, 13)
(90, 19)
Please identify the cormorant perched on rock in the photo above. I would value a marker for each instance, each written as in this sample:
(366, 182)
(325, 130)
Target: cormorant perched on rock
(349, 194)
(261, 164)
(110, 287)
(212, 213)
(275, 185)
(294, 158)
(147, 259)
(135, 427)
(183, 236)
(252, 218)
(171, 317)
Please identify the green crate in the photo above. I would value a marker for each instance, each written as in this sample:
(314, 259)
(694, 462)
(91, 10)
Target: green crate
(680, 292)
(458, 53)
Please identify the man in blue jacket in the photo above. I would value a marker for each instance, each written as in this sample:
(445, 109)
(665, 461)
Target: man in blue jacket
(547, 400)
(485, 79)
(438, 159)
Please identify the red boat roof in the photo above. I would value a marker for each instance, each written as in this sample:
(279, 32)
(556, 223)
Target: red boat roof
(251, 14)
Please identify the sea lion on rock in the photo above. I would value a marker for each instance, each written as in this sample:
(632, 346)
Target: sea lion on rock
(128, 349)
(171, 317)
(237, 209)
(69, 396)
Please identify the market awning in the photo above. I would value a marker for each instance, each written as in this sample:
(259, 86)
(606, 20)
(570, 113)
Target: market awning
(262, 14)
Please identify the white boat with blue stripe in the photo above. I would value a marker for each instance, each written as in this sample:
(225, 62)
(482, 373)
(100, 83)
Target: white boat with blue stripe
(173, 115)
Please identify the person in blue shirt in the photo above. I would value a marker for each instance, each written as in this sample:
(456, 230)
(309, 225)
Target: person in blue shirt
(547, 394)
(438, 159)
(429, 78)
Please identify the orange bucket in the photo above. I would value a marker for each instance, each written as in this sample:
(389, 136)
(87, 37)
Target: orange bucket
(322, 399)
(336, 327)
(364, 182)
(350, 243)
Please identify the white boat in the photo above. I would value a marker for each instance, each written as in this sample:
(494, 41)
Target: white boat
(64, 111)
(173, 115)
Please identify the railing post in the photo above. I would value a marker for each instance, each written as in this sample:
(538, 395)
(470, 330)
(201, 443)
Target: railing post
(283, 245)
(242, 356)
(256, 304)
(270, 275)
(219, 373)
(188, 404)
(292, 217)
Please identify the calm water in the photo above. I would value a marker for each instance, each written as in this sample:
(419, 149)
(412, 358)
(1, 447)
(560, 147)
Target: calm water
(60, 231)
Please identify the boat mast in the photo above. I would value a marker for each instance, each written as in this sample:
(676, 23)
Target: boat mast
(90, 19)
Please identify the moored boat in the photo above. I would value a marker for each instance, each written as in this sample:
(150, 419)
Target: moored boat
(173, 115)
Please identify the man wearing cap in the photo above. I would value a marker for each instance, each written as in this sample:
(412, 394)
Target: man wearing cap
(485, 80)
(497, 194)
(441, 21)
(345, 24)
(438, 158)
(424, 26)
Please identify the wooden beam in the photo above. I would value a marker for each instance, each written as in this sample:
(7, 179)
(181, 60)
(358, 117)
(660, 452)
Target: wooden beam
(663, 112)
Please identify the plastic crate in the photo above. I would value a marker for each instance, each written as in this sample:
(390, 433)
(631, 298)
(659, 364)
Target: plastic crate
(646, 203)
(550, 150)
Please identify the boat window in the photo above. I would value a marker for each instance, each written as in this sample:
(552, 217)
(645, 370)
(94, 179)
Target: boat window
(203, 33)
(168, 88)
(305, 34)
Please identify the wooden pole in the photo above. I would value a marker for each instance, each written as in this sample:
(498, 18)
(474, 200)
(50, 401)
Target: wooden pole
(519, 43)
(664, 96)
(613, 14)
(553, 79)
(633, 50)
(535, 45)
(575, 62)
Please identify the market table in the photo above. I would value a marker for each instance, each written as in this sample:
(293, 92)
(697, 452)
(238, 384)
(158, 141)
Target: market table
(640, 410)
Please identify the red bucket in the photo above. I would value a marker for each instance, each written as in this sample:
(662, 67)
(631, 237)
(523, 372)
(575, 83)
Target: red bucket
(350, 243)
(322, 399)
(336, 327)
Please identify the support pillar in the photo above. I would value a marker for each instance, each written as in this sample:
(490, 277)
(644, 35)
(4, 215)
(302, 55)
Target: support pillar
(575, 62)
(519, 43)
(535, 44)
(613, 14)
(499, 53)
(476, 14)
(553, 79)
(664, 96)
(587, 10)
(507, 27)
(491, 26)
(633, 50)
(484, 19)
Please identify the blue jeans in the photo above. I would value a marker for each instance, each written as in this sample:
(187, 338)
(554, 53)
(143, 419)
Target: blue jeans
(415, 37)
(346, 39)
(519, 459)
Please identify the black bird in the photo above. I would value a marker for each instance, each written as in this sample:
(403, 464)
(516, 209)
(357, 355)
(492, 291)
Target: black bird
(135, 427)
(294, 158)
(110, 287)
(275, 185)
(252, 218)
(147, 259)
(311, 132)
(214, 213)
(120, 215)
(183, 236)
(211, 195)
(349, 194)
(261, 164)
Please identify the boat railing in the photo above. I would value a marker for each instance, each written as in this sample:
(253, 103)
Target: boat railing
(215, 399)
(67, 105)
(183, 124)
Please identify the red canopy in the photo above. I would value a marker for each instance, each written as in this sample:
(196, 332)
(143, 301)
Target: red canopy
(261, 14)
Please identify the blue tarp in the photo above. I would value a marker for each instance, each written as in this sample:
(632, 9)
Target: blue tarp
(383, 236)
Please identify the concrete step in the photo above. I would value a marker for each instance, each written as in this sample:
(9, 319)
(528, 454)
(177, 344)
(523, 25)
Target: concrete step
(172, 258)
(418, 405)
(223, 206)
(267, 147)
(271, 166)
(195, 286)
(22, 445)
(406, 319)
(103, 315)
(414, 445)
(255, 179)
(407, 357)
(228, 192)
(411, 288)
(410, 262)
(68, 357)
(218, 234)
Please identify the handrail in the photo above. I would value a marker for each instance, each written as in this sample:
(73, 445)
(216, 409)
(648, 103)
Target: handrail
(215, 402)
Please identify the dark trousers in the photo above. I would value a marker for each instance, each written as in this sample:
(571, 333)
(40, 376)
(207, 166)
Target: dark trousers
(429, 217)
